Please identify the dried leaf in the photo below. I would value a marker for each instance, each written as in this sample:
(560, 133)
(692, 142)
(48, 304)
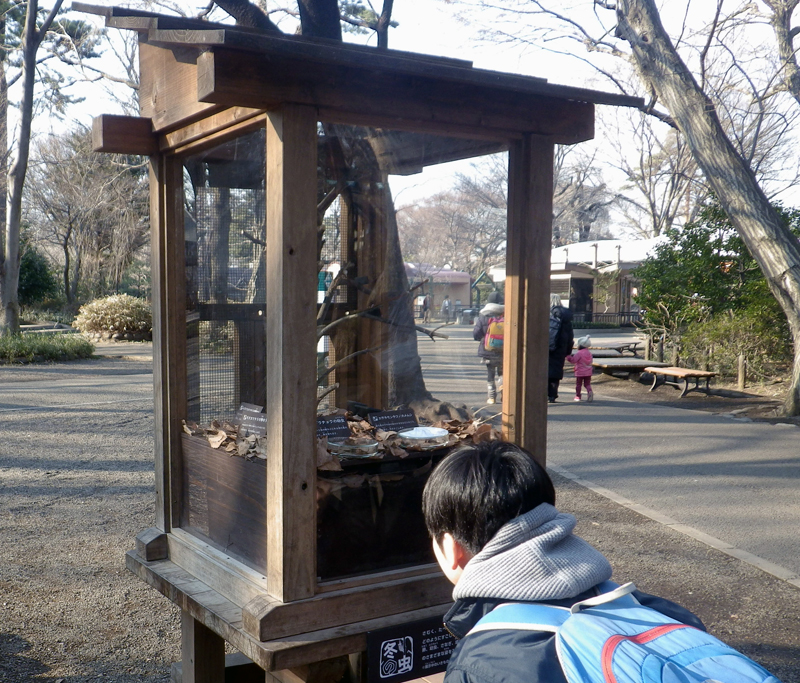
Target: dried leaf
(483, 434)
(243, 447)
(397, 452)
(216, 440)
(333, 465)
(323, 455)
(353, 481)
(231, 447)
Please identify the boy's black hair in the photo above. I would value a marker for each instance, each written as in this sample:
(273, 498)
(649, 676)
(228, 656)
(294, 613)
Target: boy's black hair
(478, 488)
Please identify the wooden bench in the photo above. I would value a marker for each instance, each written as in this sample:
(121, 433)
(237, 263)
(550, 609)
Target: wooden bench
(627, 364)
(621, 348)
(660, 375)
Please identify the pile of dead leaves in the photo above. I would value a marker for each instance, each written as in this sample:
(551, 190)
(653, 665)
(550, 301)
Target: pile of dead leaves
(389, 443)
(225, 436)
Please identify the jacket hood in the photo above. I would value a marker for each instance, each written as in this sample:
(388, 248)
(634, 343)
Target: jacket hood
(534, 557)
(493, 310)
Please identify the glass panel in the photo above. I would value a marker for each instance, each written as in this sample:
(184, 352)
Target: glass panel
(407, 258)
(224, 218)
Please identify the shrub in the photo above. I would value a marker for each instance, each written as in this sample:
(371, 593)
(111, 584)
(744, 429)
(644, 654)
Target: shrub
(119, 316)
(764, 341)
(32, 347)
(48, 311)
(36, 280)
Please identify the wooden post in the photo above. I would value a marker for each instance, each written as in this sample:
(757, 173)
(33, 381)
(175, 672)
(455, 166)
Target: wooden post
(530, 202)
(291, 278)
(169, 333)
(202, 652)
(741, 376)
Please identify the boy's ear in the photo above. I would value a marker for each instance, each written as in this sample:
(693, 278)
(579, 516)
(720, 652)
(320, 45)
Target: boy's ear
(452, 557)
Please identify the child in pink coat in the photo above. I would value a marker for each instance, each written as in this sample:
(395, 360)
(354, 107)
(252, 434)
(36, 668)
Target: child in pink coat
(583, 368)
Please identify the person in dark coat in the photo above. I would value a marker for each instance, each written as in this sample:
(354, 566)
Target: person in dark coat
(563, 346)
(490, 510)
(493, 360)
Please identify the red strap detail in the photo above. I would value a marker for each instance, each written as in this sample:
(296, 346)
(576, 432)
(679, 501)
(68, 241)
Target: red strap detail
(645, 637)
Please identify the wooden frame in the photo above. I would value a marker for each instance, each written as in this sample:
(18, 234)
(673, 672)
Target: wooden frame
(203, 84)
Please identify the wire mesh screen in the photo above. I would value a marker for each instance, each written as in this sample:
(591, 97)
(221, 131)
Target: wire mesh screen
(334, 256)
(225, 234)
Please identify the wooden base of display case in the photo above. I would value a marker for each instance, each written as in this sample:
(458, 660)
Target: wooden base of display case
(225, 618)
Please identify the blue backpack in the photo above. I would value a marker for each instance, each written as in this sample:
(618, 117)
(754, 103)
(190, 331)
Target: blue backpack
(611, 638)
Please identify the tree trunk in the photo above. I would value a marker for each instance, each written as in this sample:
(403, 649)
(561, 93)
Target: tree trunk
(770, 242)
(781, 21)
(320, 19)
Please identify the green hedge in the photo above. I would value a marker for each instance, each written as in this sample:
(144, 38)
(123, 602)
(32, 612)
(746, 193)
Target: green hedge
(35, 347)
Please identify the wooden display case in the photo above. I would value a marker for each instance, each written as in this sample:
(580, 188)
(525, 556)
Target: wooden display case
(240, 127)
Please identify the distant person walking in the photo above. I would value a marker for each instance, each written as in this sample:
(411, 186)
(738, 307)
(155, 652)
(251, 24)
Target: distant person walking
(426, 308)
(583, 368)
(561, 341)
(447, 308)
(488, 331)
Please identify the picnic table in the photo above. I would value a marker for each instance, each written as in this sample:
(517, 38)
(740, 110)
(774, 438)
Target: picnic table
(599, 352)
(621, 348)
(625, 364)
(660, 375)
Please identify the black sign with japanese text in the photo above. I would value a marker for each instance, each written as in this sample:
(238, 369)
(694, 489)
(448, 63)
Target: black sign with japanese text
(335, 426)
(403, 653)
(251, 420)
(393, 420)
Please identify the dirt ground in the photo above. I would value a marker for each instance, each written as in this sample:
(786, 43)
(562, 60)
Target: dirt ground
(76, 486)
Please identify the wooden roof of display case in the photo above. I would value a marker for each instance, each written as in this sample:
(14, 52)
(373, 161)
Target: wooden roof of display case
(202, 83)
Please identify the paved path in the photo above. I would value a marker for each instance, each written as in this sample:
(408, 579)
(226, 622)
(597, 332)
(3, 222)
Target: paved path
(737, 482)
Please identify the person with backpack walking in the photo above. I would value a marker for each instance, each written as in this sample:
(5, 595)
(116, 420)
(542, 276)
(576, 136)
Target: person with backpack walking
(488, 331)
(583, 368)
(561, 341)
(533, 601)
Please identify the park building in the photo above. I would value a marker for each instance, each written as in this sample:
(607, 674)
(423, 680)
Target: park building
(595, 278)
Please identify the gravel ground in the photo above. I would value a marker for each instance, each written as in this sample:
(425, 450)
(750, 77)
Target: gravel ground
(76, 486)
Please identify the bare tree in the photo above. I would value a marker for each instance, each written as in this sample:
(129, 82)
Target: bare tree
(91, 208)
(41, 36)
(581, 199)
(663, 185)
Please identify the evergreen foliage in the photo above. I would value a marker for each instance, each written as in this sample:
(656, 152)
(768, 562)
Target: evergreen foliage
(36, 279)
(704, 292)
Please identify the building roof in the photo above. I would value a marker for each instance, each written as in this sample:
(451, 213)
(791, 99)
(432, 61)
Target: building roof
(423, 271)
(602, 252)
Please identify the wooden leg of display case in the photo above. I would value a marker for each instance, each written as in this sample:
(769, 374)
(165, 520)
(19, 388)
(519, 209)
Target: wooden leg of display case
(327, 671)
(238, 669)
(202, 652)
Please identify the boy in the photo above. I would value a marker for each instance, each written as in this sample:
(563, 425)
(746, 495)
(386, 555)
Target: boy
(498, 537)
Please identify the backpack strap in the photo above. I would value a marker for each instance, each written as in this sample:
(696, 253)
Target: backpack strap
(523, 616)
(536, 616)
